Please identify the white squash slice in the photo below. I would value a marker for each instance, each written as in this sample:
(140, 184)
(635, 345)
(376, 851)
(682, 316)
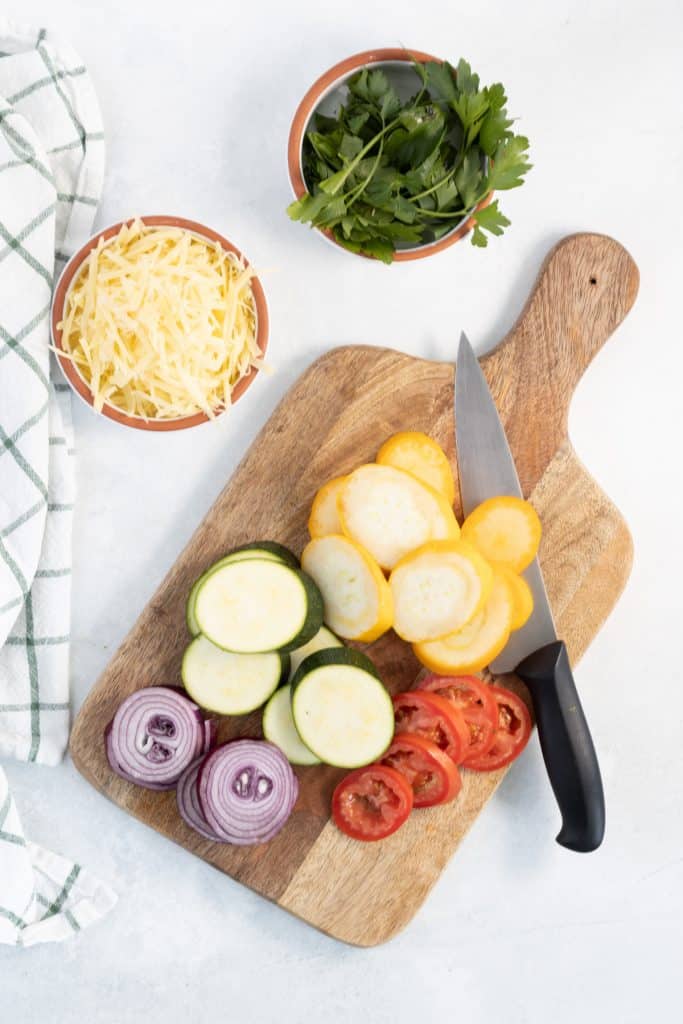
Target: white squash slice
(324, 517)
(479, 642)
(438, 588)
(389, 512)
(356, 596)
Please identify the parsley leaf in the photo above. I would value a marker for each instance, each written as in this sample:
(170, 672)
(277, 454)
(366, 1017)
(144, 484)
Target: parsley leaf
(440, 80)
(468, 178)
(493, 130)
(488, 219)
(510, 163)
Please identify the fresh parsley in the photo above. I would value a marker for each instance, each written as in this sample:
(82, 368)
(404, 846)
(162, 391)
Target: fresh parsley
(384, 173)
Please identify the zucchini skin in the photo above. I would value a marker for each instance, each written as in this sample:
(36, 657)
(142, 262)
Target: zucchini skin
(190, 621)
(314, 614)
(334, 656)
(273, 547)
(285, 668)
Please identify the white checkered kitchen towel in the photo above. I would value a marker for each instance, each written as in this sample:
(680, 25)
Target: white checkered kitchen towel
(51, 173)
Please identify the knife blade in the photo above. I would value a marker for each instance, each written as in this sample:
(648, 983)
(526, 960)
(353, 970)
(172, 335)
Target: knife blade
(486, 469)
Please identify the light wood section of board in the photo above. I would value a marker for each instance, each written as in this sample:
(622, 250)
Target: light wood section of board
(335, 417)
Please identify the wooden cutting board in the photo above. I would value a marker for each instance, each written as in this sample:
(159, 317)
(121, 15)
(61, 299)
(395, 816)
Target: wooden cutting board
(334, 418)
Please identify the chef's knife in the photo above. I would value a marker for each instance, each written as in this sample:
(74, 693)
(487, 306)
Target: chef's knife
(534, 653)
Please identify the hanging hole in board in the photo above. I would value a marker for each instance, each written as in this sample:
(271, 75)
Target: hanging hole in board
(594, 280)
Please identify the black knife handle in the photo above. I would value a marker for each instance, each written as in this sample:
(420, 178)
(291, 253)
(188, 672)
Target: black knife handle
(567, 746)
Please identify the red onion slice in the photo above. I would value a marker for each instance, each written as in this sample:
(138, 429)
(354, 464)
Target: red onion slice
(188, 803)
(210, 730)
(121, 773)
(247, 790)
(154, 736)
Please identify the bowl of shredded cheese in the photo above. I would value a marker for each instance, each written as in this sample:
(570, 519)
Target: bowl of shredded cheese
(159, 323)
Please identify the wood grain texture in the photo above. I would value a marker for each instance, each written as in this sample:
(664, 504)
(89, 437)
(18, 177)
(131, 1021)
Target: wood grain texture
(334, 418)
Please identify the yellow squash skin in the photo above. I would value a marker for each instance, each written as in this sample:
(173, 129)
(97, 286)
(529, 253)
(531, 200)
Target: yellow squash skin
(324, 517)
(506, 530)
(420, 455)
(482, 639)
(522, 598)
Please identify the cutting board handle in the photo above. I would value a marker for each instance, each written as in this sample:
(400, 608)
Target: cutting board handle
(584, 289)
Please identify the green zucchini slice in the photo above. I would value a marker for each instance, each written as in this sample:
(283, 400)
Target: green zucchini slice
(279, 728)
(341, 709)
(253, 605)
(227, 683)
(267, 549)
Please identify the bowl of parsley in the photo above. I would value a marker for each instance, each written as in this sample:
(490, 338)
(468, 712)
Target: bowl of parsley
(395, 155)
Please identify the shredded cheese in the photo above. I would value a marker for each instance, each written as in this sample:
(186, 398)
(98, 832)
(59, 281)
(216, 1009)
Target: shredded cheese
(161, 323)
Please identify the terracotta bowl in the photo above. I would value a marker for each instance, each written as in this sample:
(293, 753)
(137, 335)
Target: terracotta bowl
(325, 94)
(72, 374)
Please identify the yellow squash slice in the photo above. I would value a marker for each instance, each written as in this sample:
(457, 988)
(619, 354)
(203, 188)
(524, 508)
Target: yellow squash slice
(324, 517)
(390, 513)
(522, 598)
(478, 643)
(420, 455)
(357, 597)
(438, 588)
(506, 530)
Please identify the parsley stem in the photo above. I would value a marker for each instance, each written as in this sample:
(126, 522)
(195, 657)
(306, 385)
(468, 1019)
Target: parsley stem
(359, 156)
(359, 189)
(445, 214)
(428, 191)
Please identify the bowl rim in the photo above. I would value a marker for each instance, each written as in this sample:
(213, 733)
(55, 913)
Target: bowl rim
(304, 112)
(71, 271)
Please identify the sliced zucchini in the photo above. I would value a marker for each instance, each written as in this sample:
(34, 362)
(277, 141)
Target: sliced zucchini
(227, 683)
(254, 605)
(341, 709)
(279, 728)
(438, 588)
(389, 512)
(322, 641)
(268, 549)
(324, 517)
(357, 597)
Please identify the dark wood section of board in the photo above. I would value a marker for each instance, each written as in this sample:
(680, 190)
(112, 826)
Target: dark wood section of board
(333, 419)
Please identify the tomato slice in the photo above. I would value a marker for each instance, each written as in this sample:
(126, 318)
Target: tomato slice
(372, 802)
(475, 701)
(432, 774)
(429, 715)
(512, 734)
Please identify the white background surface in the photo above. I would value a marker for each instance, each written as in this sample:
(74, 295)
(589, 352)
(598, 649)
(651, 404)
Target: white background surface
(197, 100)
